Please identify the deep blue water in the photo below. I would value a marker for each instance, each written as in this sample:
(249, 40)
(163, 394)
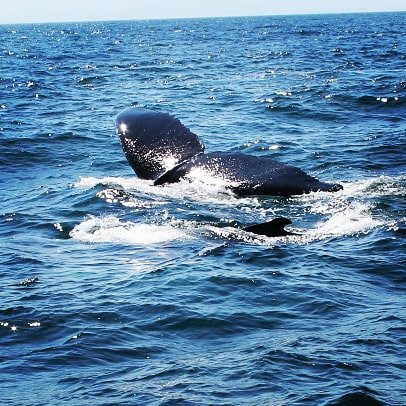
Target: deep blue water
(114, 291)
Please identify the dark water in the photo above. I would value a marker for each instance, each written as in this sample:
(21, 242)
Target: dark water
(117, 292)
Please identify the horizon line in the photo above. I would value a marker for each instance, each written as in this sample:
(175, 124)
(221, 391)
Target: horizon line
(205, 17)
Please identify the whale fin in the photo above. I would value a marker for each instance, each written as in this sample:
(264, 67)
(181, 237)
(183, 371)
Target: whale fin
(154, 142)
(273, 228)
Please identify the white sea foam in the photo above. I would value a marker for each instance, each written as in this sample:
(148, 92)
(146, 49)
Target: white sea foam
(110, 229)
(349, 212)
(354, 219)
(376, 186)
(199, 186)
(88, 182)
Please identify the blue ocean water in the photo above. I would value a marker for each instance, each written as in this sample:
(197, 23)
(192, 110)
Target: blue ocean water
(114, 291)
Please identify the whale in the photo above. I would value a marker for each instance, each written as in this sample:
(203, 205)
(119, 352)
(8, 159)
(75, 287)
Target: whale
(160, 148)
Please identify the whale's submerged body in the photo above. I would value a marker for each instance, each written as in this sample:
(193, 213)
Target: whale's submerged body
(159, 147)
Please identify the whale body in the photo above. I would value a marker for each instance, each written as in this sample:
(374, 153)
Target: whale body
(159, 147)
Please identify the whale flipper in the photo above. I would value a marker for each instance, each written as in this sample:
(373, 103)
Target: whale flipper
(154, 142)
(273, 228)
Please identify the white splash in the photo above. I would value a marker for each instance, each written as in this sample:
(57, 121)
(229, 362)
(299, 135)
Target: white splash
(354, 219)
(110, 229)
(273, 147)
(88, 182)
(199, 186)
(169, 162)
(349, 212)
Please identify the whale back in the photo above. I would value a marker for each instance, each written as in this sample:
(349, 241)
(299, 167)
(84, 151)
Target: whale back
(154, 142)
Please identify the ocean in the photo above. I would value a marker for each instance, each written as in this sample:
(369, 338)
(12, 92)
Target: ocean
(115, 291)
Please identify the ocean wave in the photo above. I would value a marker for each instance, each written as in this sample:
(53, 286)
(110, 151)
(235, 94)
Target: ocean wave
(302, 110)
(367, 102)
(381, 101)
(91, 80)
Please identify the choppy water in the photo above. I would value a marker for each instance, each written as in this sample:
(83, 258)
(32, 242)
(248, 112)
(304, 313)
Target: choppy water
(114, 291)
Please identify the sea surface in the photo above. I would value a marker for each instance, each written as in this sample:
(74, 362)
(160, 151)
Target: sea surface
(117, 292)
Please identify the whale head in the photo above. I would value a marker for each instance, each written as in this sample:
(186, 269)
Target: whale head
(154, 142)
